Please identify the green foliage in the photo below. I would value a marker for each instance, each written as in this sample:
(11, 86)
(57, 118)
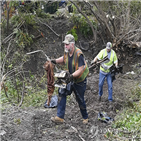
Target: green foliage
(17, 121)
(42, 14)
(35, 98)
(34, 94)
(11, 91)
(73, 32)
(82, 26)
(129, 121)
(23, 39)
(3, 28)
(21, 24)
(75, 9)
(135, 7)
(136, 92)
(118, 8)
(27, 19)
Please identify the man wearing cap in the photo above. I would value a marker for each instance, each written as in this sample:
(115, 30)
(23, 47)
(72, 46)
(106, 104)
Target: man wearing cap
(75, 63)
(105, 69)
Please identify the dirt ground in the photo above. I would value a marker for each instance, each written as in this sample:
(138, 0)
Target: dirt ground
(34, 124)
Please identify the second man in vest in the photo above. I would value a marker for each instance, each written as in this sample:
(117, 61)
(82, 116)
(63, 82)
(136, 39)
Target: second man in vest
(105, 69)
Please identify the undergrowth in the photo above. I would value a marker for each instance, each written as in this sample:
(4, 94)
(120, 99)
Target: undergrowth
(35, 92)
(81, 26)
(127, 125)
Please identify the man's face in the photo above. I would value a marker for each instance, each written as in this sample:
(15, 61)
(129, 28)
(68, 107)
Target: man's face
(108, 50)
(68, 47)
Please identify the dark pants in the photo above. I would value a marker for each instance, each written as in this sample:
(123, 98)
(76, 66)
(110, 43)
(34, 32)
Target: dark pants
(79, 90)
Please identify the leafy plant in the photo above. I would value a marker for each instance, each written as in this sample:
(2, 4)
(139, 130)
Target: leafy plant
(129, 121)
(73, 32)
(34, 94)
(17, 121)
(82, 25)
(42, 14)
(23, 39)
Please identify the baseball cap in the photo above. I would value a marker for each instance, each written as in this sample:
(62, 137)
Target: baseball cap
(109, 45)
(68, 39)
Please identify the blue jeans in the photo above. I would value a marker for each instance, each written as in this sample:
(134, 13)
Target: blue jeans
(109, 81)
(79, 90)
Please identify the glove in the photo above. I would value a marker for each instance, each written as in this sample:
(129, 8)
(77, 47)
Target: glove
(117, 67)
(69, 77)
(53, 61)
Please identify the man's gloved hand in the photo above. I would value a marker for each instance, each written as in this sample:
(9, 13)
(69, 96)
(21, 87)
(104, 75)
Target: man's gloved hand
(69, 77)
(117, 67)
(53, 61)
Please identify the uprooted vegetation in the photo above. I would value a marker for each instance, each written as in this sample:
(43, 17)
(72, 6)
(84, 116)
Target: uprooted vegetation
(24, 80)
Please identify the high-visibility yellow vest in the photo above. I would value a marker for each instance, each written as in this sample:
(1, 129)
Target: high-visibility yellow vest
(105, 66)
(83, 75)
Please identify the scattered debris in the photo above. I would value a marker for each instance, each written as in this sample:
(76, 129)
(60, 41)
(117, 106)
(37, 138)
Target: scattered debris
(53, 102)
(103, 117)
(132, 72)
(2, 132)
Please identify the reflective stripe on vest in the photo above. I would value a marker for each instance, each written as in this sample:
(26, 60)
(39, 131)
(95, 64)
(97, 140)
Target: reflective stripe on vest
(105, 66)
(83, 75)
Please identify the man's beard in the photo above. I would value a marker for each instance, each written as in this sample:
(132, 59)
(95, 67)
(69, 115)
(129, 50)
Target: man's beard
(68, 50)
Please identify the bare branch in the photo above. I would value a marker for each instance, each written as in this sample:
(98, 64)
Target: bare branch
(3, 62)
(77, 133)
(22, 95)
(94, 35)
(48, 59)
(11, 35)
(101, 17)
(49, 27)
(39, 51)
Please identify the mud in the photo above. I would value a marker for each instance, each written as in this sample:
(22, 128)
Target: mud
(34, 124)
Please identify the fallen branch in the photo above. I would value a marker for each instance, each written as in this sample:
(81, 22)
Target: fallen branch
(11, 35)
(49, 28)
(89, 22)
(8, 38)
(77, 133)
(95, 64)
(22, 96)
(126, 34)
(48, 59)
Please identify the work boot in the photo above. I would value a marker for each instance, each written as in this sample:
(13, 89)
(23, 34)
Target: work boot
(99, 98)
(57, 119)
(85, 121)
